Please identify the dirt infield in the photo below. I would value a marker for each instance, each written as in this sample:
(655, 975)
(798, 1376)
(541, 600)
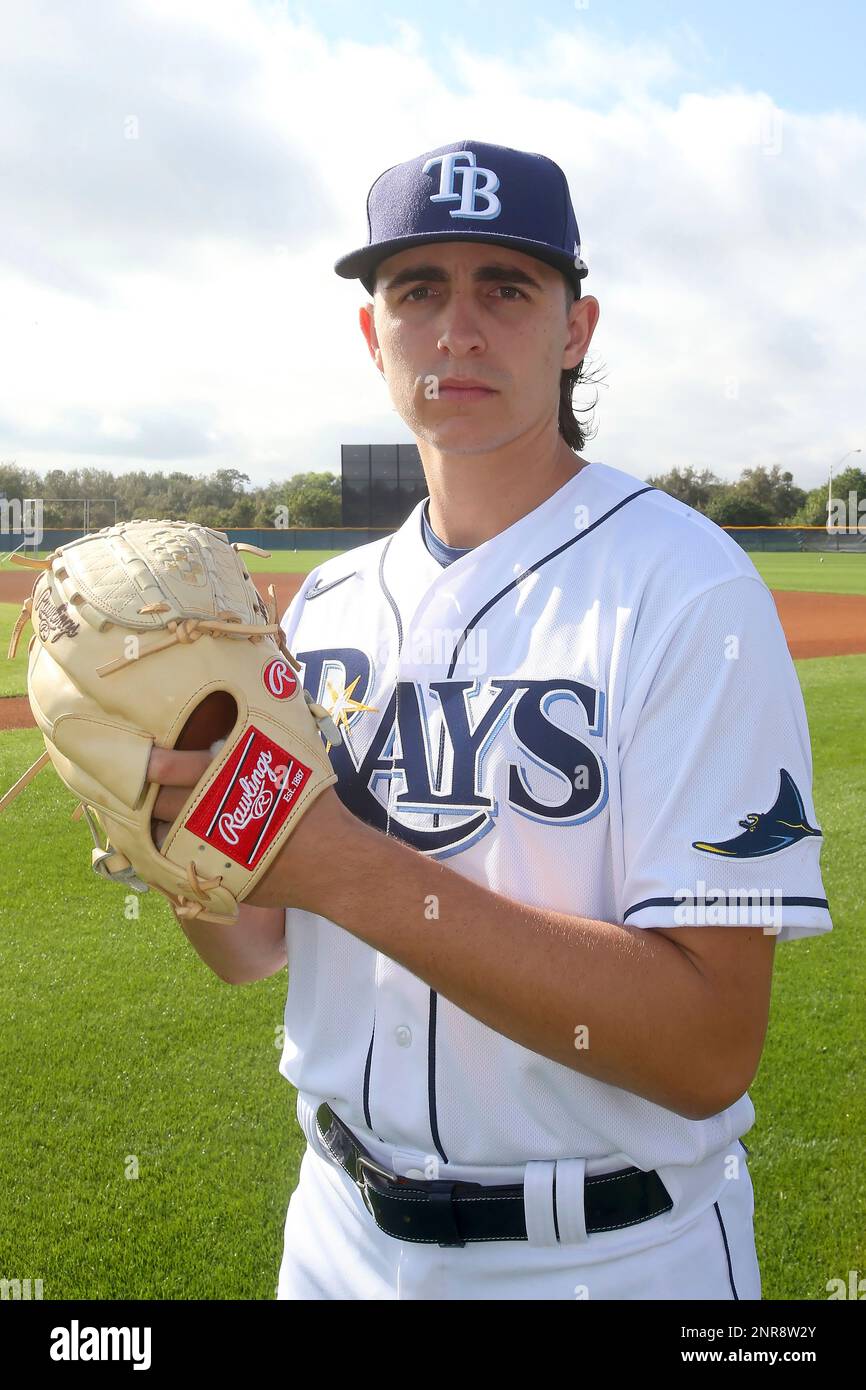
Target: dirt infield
(814, 624)
(15, 712)
(822, 624)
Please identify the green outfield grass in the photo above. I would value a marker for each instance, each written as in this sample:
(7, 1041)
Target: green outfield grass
(13, 674)
(833, 573)
(809, 1094)
(282, 561)
(119, 1044)
(288, 561)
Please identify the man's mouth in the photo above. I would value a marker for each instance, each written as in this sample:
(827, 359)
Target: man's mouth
(455, 388)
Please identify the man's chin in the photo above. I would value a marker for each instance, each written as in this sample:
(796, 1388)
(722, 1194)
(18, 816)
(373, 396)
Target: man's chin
(464, 442)
(460, 429)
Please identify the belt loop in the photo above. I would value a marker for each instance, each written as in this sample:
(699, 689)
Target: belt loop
(570, 1208)
(538, 1202)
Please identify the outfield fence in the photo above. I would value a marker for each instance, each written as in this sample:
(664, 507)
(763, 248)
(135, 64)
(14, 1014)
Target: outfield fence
(774, 538)
(299, 538)
(799, 538)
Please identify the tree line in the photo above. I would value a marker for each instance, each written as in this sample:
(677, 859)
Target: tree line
(760, 497)
(224, 499)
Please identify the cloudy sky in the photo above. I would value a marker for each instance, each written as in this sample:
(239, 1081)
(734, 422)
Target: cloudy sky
(179, 177)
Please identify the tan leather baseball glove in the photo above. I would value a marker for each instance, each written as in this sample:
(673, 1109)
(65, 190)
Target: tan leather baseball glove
(150, 632)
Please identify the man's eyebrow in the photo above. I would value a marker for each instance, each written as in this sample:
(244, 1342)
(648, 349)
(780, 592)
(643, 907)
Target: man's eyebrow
(495, 273)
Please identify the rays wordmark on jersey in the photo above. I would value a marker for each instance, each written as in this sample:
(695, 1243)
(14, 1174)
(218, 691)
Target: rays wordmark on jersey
(446, 783)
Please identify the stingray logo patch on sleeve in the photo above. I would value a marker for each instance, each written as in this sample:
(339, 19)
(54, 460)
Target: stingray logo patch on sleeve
(784, 824)
(251, 799)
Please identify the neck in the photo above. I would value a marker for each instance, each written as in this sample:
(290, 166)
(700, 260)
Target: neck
(475, 496)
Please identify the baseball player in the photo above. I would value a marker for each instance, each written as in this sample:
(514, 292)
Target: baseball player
(530, 932)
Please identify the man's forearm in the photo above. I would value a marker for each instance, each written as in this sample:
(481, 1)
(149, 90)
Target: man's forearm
(252, 948)
(621, 1004)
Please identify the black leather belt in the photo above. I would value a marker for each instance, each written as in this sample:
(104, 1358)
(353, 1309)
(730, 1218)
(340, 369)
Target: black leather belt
(448, 1213)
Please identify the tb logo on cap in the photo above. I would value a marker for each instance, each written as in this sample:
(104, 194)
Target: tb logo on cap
(469, 187)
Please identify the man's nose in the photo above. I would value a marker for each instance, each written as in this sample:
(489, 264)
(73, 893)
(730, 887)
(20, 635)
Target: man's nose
(460, 324)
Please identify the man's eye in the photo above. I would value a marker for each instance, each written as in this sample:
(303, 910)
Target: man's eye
(425, 290)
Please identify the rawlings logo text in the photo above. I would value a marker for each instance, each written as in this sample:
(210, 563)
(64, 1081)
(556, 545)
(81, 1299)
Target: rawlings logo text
(51, 617)
(243, 811)
(256, 798)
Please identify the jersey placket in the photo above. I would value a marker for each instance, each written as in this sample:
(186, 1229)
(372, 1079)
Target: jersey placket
(401, 1061)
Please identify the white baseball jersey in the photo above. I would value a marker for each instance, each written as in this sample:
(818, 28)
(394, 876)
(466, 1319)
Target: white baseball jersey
(595, 712)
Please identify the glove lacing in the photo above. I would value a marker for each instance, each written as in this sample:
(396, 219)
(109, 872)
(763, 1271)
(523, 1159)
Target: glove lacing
(190, 629)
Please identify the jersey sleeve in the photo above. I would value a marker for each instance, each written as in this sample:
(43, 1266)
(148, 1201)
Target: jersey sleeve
(718, 821)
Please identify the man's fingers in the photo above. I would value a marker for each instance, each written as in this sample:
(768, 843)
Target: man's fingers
(171, 768)
(175, 772)
(159, 829)
(169, 802)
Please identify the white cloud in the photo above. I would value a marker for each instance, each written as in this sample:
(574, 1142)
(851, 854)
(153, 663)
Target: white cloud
(577, 66)
(167, 286)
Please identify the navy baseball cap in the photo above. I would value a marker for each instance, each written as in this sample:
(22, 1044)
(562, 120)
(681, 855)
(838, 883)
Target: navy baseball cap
(470, 191)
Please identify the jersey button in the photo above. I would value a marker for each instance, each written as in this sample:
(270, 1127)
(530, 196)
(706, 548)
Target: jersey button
(403, 1035)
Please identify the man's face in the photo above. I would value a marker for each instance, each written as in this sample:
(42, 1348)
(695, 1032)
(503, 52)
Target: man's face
(480, 311)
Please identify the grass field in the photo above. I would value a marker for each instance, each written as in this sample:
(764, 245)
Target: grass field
(834, 573)
(809, 1093)
(13, 674)
(288, 561)
(121, 1047)
(282, 561)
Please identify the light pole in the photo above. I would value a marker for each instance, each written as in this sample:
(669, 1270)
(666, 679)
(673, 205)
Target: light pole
(830, 481)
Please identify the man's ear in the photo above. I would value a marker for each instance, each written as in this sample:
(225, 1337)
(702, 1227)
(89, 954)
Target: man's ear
(582, 318)
(368, 328)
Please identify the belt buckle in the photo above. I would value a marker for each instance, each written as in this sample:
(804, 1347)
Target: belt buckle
(364, 1162)
(439, 1192)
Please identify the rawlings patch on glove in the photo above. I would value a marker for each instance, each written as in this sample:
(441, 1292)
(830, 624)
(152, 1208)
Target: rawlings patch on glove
(152, 632)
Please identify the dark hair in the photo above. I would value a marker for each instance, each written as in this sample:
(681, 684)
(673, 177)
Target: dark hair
(573, 433)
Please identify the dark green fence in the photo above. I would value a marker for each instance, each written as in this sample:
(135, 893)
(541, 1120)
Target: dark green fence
(797, 538)
(322, 538)
(348, 537)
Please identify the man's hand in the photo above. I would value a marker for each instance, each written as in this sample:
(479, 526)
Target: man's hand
(308, 862)
(176, 773)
